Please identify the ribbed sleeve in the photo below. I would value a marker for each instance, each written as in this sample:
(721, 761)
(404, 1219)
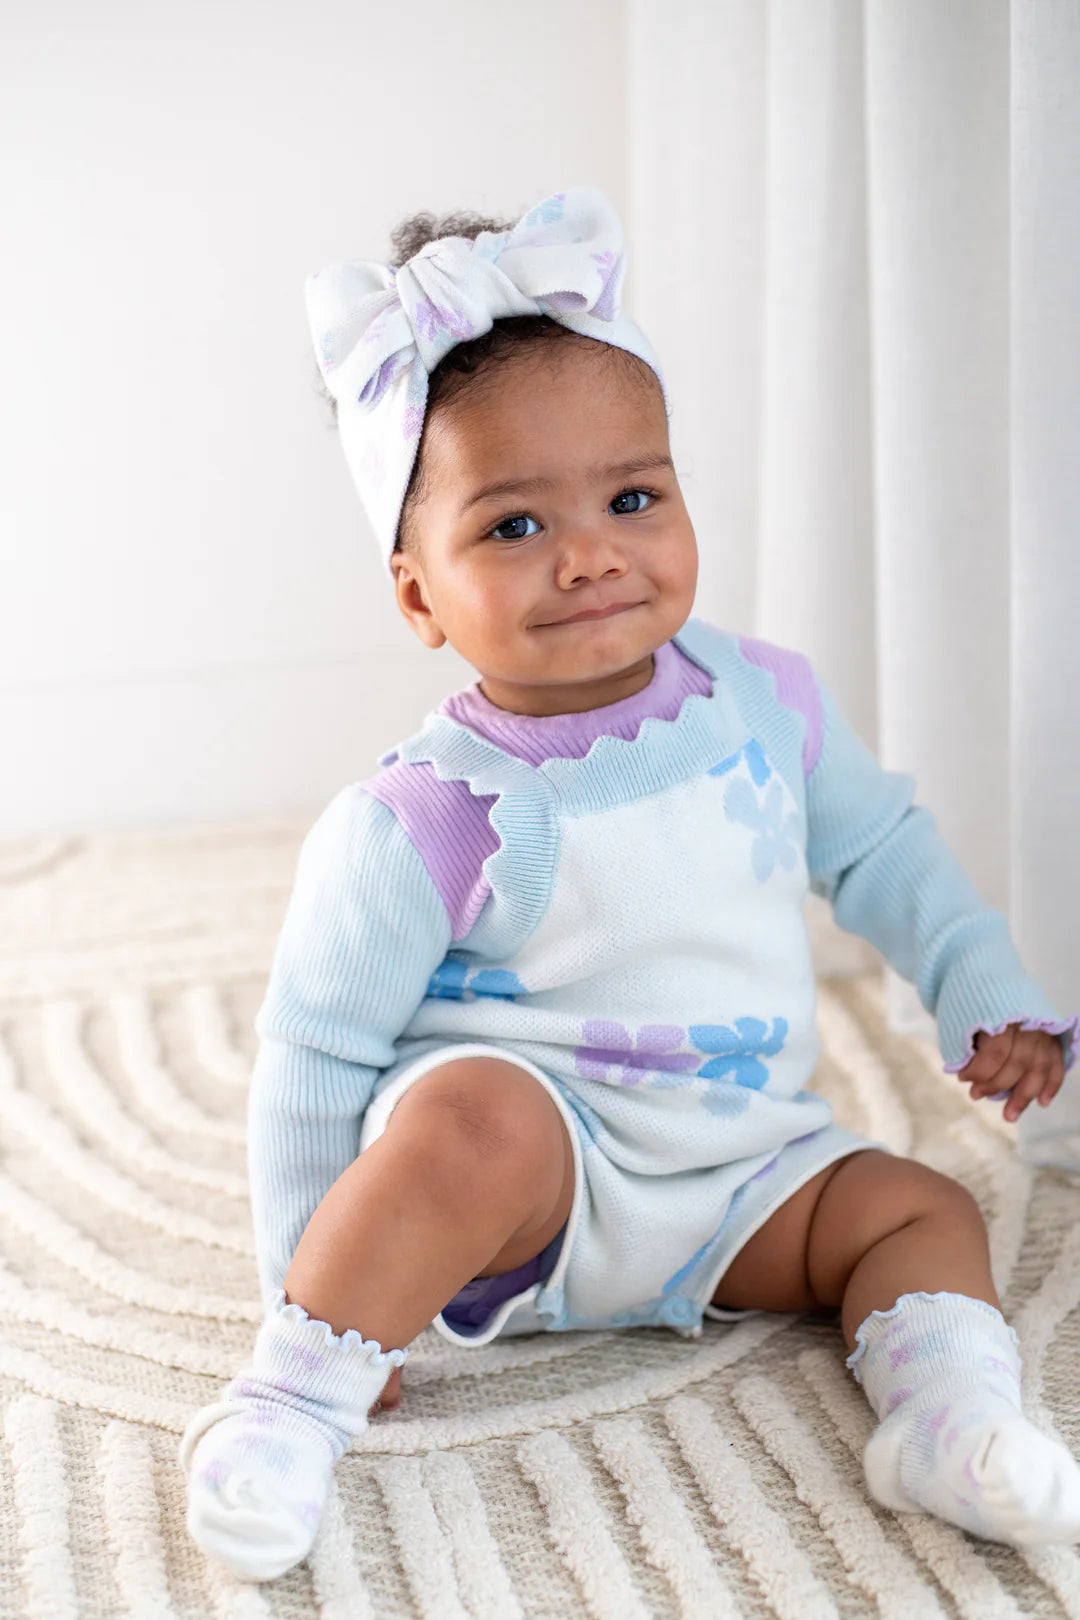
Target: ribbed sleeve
(891, 878)
(364, 931)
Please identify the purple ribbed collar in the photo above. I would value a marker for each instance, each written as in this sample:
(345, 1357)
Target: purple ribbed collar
(535, 738)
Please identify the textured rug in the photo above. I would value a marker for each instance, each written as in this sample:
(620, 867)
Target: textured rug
(606, 1476)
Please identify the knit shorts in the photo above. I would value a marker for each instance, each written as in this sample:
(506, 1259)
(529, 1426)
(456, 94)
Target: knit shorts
(493, 1307)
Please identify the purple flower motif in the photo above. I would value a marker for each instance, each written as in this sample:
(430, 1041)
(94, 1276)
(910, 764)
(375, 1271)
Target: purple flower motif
(310, 1360)
(430, 319)
(605, 307)
(377, 385)
(610, 1052)
(936, 1423)
(213, 1475)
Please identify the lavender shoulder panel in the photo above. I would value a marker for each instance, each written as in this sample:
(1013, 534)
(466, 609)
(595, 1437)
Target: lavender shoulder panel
(449, 828)
(796, 688)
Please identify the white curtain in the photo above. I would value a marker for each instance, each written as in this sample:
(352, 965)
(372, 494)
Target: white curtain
(855, 233)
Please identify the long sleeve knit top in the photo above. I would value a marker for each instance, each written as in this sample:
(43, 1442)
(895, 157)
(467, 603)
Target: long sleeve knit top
(618, 897)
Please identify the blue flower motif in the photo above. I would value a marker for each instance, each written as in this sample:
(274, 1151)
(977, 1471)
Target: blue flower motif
(547, 212)
(777, 833)
(739, 1051)
(684, 1271)
(754, 754)
(452, 981)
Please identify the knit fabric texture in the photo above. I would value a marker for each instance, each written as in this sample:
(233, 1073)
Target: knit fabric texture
(259, 1460)
(626, 915)
(942, 1373)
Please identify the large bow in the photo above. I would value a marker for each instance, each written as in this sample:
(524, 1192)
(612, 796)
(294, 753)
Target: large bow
(378, 333)
(369, 322)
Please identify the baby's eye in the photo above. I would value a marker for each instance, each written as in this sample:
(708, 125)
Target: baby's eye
(639, 497)
(511, 528)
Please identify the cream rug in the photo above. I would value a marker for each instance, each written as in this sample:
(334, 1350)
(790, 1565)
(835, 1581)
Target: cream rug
(610, 1477)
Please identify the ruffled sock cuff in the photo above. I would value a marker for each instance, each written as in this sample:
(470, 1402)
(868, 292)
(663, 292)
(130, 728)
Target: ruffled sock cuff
(931, 1340)
(299, 1360)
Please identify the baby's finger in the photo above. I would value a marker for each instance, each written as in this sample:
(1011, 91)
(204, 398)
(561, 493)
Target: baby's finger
(991, 1051)
(1024, 1092)
(1016, 1065)
(1054, 1076)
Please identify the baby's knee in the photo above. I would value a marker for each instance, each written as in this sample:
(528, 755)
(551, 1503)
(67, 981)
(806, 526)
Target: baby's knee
(484, 1111)
(910, 1192)
(873, 1196)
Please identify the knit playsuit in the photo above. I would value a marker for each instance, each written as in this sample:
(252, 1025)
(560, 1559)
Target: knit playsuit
(614, 901)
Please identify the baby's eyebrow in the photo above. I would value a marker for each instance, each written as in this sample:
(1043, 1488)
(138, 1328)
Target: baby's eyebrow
(526, 486)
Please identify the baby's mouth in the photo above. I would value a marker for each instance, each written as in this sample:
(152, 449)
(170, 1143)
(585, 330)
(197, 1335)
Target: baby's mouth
(586, 614)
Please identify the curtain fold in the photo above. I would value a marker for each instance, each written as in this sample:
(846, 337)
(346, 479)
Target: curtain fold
(856, 246)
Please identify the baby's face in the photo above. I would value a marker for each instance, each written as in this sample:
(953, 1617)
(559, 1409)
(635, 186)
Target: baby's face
(582, 561)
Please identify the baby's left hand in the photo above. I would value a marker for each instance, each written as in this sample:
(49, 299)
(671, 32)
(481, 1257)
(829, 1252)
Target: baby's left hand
(1026, 1062)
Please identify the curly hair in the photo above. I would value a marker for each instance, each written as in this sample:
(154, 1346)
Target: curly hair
(509, 337)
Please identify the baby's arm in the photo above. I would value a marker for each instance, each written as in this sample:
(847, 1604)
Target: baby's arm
(892, 878)
(365, 930)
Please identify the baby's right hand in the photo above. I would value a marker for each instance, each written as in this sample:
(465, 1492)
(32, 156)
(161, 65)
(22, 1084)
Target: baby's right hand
(391, 1395)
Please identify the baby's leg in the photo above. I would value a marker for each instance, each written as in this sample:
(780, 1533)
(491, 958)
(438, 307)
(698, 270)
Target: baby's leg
(473, 1175)
(903, 1252)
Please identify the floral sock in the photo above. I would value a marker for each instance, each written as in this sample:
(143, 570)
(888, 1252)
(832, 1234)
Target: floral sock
(259, 1460)
(942, 1373)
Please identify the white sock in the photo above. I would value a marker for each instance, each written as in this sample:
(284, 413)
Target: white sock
(942, 1373)
(259, 1460)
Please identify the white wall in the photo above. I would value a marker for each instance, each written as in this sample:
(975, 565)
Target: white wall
(193, 619)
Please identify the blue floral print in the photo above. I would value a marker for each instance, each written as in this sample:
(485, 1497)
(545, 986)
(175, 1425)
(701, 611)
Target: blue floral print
(547, 212)
(654, 1054)
(452, 981)
(758, 766)
(739, 1050)
(777, 833)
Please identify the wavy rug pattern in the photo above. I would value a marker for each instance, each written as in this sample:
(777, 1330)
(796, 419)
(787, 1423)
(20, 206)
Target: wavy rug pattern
(603, 1476)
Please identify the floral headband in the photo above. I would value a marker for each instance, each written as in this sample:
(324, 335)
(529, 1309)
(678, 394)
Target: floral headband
(378, 332)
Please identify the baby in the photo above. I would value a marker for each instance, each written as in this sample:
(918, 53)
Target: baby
(537, 1048)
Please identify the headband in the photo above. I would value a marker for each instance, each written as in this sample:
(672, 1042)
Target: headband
(378, 333)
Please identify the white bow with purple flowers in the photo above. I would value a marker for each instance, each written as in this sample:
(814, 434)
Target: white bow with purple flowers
(378, 333)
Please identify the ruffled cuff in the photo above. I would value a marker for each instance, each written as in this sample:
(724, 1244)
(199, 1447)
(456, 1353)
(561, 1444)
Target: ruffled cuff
(311, 1329)
(1067, 1030)
(983, 991)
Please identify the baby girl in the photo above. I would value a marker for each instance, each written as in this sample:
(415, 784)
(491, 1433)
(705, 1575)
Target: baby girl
(538, 1047)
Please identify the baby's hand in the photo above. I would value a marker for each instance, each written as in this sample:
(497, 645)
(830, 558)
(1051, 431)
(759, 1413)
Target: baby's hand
(1026, 1062)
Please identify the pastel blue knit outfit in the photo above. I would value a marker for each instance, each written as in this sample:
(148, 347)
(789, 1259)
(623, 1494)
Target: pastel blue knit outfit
(633, 934)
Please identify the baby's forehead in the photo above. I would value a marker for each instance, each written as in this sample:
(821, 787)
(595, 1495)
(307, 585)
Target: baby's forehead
(572, 398)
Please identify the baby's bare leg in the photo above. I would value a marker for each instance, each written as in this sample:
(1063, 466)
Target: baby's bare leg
(473, 1175)
(859, 1234)
(903, 1252)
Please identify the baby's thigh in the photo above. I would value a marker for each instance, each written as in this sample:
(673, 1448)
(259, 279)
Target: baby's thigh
(770, 1271)
(805, 1253)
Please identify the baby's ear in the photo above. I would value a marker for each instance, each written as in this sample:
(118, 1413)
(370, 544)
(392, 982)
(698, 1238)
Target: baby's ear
(412, 598)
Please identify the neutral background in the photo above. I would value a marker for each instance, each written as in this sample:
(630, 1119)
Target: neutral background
(193, 622)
